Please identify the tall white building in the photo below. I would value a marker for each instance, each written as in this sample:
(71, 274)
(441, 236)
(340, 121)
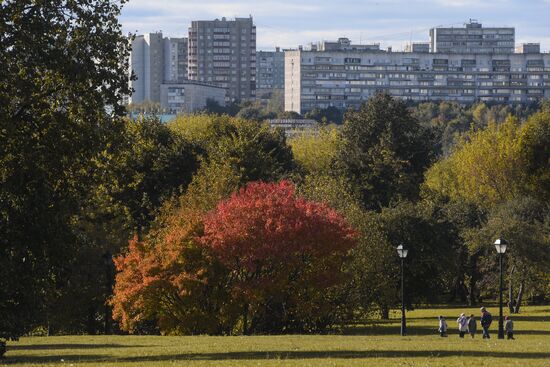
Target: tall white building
(223, 52)
(147, 64)
(155, 60)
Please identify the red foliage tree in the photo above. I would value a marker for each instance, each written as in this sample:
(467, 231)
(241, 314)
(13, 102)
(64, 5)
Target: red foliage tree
(283, 254)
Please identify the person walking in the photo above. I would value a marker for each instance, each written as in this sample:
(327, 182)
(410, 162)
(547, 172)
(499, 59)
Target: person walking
(462, 325)
(442, 327)
(472, 325)
(509, 327)
(486, 320)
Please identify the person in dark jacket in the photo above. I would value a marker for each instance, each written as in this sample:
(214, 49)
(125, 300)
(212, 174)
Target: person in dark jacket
(472, 326)
(509, 327)
(486, 320)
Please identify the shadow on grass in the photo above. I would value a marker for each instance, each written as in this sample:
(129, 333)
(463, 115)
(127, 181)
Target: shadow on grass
(388, 330)
(422, 330)
(276, 355)
(14, 360)
(515, 317)
(70, 346)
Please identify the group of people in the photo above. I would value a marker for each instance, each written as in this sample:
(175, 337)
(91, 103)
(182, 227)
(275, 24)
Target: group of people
(469, 325)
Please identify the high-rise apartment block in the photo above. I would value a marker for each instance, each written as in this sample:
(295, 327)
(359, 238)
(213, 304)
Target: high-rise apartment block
(465, 65)
(223, 52)
(270, 71)
(155, 60)
(345, 79)
(147, 64)
(472, 38)
(175, 59)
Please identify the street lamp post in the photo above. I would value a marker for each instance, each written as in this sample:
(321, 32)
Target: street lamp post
(402, 252)
(500, 245)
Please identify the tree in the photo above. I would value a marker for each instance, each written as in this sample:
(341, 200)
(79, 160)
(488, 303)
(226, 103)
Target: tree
(384, 151)
(172, 282)
(523, 222)
(63, 78)
(254, 150)
(264, 255)
(150, 164)
(485, 170)
(316, 150)
(325, 115)
(283, 254)
(534, 149)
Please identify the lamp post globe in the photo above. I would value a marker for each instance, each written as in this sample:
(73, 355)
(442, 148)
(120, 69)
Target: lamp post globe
(500, 245)
(403, 252)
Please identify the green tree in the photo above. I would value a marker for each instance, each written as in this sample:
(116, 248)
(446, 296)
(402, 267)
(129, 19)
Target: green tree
(150, 164)
(525, 223)
(534, 148)
(254, 150)
(63, 77)
(384, 151)
(316, 150)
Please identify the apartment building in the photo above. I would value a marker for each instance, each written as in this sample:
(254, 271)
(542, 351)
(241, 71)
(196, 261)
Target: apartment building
(155, 60)
(270, 72)
(472, 38)
(189, 96)
(345, 79)
(223, 52)
(147, 64)
(175, 59)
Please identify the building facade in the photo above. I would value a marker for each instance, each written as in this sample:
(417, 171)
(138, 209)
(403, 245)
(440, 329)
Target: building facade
(155, 60)
(223, 52)
(345, 79)
(175, 59)
(147, 64)
(472, 38)
(292, 127)
(270, 72)
(189, 96)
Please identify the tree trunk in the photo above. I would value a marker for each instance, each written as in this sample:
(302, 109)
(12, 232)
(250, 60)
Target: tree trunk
(520, 296)
(511, 302)
(91, 321)
(385, 313)
(245, 320)
(472, 282)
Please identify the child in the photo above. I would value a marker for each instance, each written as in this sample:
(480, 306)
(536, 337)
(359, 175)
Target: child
(472, 325)
(509, 327)
(442, 327)
(462, 325)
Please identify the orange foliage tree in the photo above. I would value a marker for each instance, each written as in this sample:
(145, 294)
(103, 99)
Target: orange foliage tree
(170, 284)
(262, 261)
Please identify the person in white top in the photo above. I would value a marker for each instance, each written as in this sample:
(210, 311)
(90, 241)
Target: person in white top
(442, 327)
(462, 322)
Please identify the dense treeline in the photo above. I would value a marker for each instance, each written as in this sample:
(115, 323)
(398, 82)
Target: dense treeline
(219, 224)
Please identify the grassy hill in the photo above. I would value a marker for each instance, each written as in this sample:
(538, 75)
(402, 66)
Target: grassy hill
(376, 343)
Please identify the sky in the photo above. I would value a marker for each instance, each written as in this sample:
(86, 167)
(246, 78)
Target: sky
(290, 23)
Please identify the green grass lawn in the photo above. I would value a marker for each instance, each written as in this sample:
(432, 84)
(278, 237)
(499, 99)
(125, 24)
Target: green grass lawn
(375, 344)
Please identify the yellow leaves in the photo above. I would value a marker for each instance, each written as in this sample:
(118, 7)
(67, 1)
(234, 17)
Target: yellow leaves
(486, 169)
(316, 150)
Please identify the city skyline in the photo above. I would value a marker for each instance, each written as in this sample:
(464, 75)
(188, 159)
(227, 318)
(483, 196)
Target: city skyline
(390, 23)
